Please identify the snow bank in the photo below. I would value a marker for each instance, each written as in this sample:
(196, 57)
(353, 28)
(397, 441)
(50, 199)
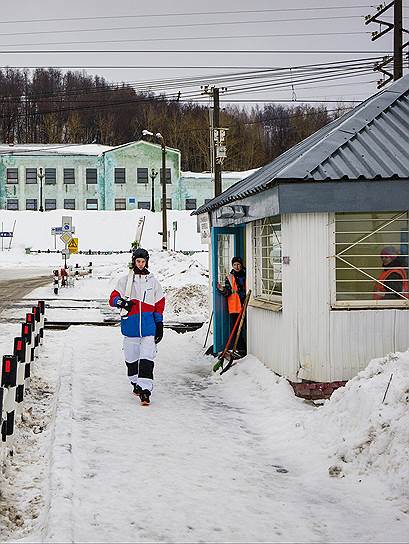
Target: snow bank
(368, 435)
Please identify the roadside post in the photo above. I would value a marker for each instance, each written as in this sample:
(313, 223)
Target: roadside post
(175, 228)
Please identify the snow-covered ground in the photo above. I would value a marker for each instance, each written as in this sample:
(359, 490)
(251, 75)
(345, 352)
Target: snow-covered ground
(232, 458)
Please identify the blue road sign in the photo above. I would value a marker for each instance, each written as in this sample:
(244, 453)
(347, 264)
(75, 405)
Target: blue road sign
(6, 235)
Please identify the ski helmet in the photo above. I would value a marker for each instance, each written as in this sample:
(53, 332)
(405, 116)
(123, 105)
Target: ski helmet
(140, 253)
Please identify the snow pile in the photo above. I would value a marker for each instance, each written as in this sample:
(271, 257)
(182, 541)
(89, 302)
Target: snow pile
(368, 434)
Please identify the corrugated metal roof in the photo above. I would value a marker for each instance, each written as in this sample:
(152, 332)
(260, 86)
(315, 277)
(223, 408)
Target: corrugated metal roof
(369, 142)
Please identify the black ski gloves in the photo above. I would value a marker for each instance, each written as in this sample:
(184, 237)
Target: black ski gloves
(159, 332)
(125, 304)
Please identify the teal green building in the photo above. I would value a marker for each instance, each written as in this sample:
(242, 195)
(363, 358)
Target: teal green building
(97, 177)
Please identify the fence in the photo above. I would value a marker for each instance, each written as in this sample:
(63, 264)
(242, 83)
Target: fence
(15, 375)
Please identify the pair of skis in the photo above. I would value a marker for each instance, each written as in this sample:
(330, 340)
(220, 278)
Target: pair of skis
(235, 333)
(131, 275)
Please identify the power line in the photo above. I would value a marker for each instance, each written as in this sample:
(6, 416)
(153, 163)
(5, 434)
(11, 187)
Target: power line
(195, 51)
(229, 12)
(187, 38)
(175, 25)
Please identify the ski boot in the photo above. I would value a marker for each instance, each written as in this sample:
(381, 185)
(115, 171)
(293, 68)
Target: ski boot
(145, 397)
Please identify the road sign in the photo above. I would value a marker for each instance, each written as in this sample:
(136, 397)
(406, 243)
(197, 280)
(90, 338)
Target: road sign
(6, 234)
(66, 223)
(58, 230)
(65, 237)
(73, 245)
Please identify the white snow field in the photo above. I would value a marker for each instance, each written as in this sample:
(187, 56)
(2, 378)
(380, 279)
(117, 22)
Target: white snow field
(232, 458)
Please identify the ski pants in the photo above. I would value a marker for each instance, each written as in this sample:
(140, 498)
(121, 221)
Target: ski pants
(139, 358)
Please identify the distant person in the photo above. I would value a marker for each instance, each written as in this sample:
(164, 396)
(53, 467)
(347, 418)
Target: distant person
(235, 290)
(142, 326)
(393, 277)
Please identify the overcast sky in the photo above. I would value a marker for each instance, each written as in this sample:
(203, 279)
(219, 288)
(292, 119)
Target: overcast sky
(158, 26)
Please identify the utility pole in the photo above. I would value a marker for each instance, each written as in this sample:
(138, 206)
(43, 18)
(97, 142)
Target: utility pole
(164, 207)
(153, 177)
(41, 176)
(398, 45)
(215, 140)
(216, 124)
(397, 40)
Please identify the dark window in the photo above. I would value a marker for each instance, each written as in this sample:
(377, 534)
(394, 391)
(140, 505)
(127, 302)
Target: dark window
(120, 176)
(31, 204)
(12, 175)
(120, 203)
(142, 175)
(91, 175)
(50, 176)
(144, 205)
(168, 175)
(191, 204)
(50, 204)
(168, 203)
(69, 203)
(12, 204)
(207, 200)
(92, 203)
(31, 175)
(69, 177)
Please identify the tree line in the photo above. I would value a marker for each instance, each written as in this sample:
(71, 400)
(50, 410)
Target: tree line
(51, 106)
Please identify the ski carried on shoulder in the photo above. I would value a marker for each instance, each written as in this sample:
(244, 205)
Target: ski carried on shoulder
(131, 275)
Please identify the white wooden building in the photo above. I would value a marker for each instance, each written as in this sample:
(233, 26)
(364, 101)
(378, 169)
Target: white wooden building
(311, 226)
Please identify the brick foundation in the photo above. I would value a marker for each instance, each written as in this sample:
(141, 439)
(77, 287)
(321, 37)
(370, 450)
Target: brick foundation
(315, 390)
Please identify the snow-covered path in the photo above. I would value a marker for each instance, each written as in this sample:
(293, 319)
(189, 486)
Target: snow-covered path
(203, 463)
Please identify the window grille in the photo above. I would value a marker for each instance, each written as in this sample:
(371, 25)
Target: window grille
(267, 258)
(364, 244)
(91, 175)
(12, 175)
(92, 204)
(120, 175)
(142, 175)
(50, 177)
(69, 175)
(69, 204)
(190, 204)
(31, 204)
(50, 204)
(120, 203)
(31, 175)
(225, 253)
(144, 205)
(168, 175)
(12, 204)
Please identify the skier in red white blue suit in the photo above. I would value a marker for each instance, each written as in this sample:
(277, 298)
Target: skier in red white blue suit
(142, 326)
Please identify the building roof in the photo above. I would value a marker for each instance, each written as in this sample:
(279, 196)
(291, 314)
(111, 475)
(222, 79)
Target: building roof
(369, 142)
(93, 150)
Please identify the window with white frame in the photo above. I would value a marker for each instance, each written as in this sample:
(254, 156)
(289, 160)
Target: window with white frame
(91, 204)
(69, 175)
(267, 259)
(225, 253)
(50, 204)
(31, 204)
(12, 204)
(12, 175)
(50, 176)
(371, 259)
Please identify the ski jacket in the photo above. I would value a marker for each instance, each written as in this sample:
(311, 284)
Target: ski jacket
(394, 278)
(147, 310)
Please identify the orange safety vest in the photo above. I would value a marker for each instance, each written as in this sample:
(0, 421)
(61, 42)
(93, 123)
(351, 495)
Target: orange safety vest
(379, 288)
(233, 300)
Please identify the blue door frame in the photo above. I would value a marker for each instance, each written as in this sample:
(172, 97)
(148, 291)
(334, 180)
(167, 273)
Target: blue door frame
(221, 323)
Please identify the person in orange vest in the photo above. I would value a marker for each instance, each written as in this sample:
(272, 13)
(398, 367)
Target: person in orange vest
(235, 290)
(393, 277)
